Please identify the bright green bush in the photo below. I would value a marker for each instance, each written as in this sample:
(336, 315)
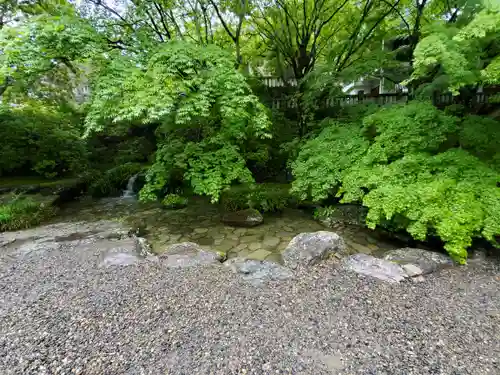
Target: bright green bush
(322, 161)
(174, 201)
(403, 166)
(267, 197)
(206, 113)
(112, 181)
(22, 212)
(39, 143)
(479, 136)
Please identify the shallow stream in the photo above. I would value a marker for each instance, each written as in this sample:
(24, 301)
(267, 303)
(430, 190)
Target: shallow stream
(200, 222)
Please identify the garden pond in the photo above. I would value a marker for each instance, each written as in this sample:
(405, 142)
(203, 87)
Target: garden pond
(200, 222)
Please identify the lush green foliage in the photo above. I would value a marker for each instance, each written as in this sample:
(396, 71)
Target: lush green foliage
(174, 201)
(342, 213)
(20, 212)
(267, 197)
(112, 181)
(479, 136)
(206, 113)
(464, 54)
(40, 143)
(403, 165)
(321, 163)
(169, 86)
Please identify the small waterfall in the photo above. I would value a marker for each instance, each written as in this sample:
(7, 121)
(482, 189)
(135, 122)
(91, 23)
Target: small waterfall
(129, 191)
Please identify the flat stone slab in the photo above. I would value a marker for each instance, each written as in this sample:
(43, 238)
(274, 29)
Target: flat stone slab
(188, 254)
(427, 261)
(257, 271)
(120, 259)
(307, 249)
(259, 254)
(375, 267)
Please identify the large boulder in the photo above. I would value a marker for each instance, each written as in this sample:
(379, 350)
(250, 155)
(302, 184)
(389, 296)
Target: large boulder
(375, 267)
(244, 218)
(258, 271)
(307, 249)
(188, 254)
(427, 261)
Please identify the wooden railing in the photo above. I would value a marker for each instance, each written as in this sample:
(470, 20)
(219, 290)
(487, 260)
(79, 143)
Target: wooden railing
(344, 100)
(383, 99)
(273, 82)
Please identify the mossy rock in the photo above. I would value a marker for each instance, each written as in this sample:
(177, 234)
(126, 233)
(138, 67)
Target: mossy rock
(244, 218)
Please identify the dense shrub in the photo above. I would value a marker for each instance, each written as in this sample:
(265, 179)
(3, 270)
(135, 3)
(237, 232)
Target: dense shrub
(112, 181)
(35, 142)
(208, 119)
(404, 166)
(479, 136)
(322, 161)
(174, 201)
(107, 151)
(267, 197)
(20, 212)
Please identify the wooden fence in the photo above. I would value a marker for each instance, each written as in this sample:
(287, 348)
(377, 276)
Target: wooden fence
(383, 99)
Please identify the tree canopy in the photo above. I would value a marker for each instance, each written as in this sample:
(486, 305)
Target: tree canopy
(177, 86)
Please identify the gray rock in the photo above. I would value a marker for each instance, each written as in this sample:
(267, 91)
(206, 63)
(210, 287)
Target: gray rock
(245, 218)
(418, 279)
(427, 261)
(307, 249)
(379, 268)
(142, 246)
(188, 254)
(412, 270)
(119, 259)
(258, 271)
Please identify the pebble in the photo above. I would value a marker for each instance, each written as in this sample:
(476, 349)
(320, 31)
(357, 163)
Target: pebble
(60, 311)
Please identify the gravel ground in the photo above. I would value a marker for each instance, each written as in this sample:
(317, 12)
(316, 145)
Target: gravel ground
(60, 313)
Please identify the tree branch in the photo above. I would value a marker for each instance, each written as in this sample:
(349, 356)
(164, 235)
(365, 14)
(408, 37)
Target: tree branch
(228, 31)
(159, 8)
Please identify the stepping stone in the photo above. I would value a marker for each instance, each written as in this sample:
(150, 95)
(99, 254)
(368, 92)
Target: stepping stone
(200, 230)
(374, 267)
(427, 261)
(119, 259)
(245, 218)
(227, 245)
(271, 242)
(248, 239)
(256, 271)
(239, 232)
(175, 237)
(259, 254)
(188, 254)
(241, 246)
(274, 257)
(255, 246)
